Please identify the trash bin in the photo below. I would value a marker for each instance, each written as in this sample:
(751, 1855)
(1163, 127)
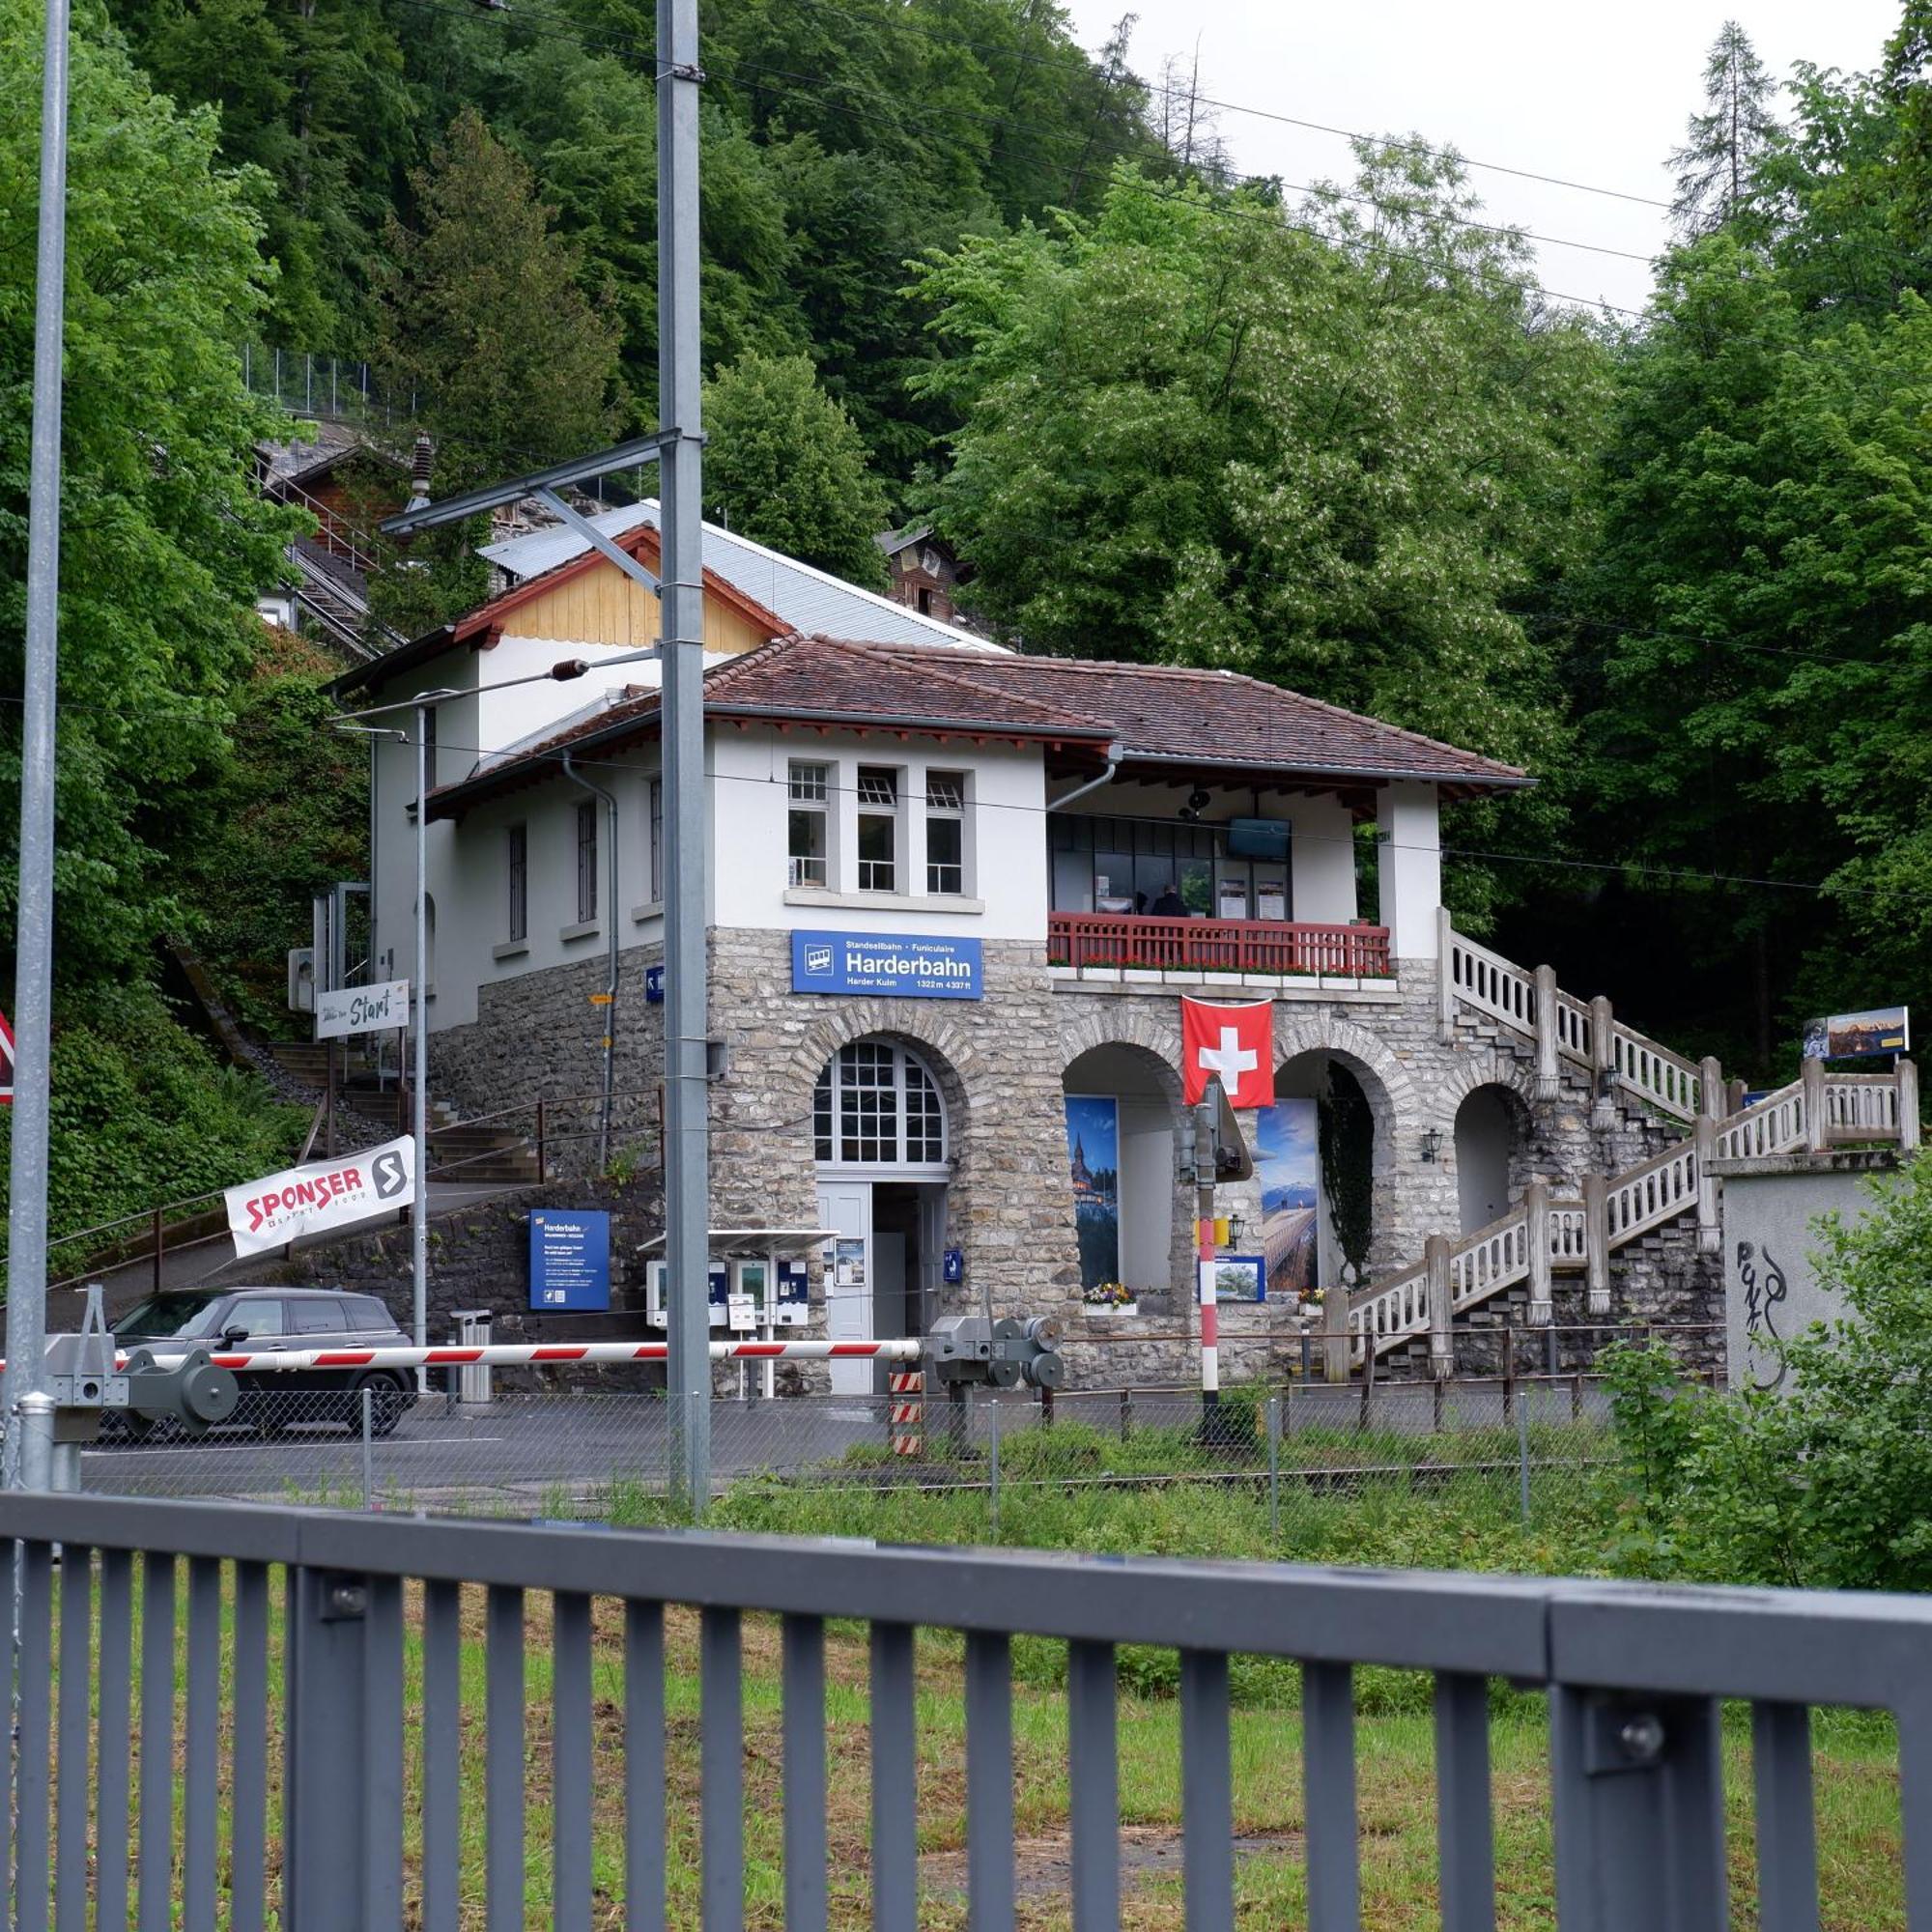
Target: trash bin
(472, 1331)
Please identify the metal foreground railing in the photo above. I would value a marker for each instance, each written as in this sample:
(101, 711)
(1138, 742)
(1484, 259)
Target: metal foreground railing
(347, 1737)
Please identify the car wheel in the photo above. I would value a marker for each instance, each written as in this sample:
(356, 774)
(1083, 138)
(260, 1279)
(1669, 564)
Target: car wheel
(386, 1403)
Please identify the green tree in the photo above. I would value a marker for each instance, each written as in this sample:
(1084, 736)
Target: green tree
(1193, 428)
(164, 542)
(785, 466)
(1717, 166)
(483, 316)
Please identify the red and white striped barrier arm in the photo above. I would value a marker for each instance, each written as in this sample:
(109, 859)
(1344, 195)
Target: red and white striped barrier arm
(512, 1355)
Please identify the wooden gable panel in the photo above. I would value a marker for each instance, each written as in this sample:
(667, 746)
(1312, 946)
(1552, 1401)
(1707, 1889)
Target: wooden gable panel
(603, 606)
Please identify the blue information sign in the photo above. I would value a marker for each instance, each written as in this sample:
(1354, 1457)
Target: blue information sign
(570, 1260)
(908, 965)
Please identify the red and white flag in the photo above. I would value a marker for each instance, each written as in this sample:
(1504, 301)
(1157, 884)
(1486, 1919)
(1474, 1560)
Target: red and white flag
(1235, 1044)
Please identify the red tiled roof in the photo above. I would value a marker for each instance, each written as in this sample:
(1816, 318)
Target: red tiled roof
(1156, 714)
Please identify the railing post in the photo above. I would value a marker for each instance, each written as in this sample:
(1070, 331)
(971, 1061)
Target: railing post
(1710, 1234)
(1906, 1074)
(1639, 1812)
(1335, 1335)
(1710, 1085)
(1603, 1063)
(325, 1767)
(1536, 1203)
(1445, 973)
(1548, 1083)
(1597, 1242)
(1734, 1096)
(1441, 1315)
(1817, 1128)
(161, 1235)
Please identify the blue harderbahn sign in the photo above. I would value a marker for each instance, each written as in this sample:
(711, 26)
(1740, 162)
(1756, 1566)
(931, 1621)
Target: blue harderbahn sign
(908, 965)
(570, 1260)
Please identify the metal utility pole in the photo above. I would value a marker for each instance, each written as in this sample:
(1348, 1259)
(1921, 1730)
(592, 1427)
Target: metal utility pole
(32, 972)
(687, 1155)
(676, 445)
(1207, 1124)
(419, 1092)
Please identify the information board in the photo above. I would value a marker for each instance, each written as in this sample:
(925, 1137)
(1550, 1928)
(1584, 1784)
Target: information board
(570, 1260)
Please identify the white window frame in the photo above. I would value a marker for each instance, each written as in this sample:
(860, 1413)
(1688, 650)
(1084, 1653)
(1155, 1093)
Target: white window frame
(912, 1086)
(958, 812)
(802, 775)
(895, 867)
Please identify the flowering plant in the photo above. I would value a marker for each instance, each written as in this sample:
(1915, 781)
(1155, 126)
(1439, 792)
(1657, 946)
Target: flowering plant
(1107, 1295)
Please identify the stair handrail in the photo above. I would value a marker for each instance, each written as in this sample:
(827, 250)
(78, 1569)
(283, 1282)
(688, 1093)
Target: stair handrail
(1475, 976)
(333, 528)
(1773, 1124)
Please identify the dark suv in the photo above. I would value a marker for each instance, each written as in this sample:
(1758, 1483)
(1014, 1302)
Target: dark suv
(274, 1320)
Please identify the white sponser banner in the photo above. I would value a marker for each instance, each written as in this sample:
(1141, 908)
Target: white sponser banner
(325, 1195)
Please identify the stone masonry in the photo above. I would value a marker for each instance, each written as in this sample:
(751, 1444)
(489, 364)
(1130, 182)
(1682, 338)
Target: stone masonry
(999, 1063)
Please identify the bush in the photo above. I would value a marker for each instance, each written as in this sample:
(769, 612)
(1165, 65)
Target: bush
(142, 1112)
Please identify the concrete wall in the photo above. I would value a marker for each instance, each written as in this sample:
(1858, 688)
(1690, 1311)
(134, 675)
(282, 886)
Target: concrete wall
(1771, 1279)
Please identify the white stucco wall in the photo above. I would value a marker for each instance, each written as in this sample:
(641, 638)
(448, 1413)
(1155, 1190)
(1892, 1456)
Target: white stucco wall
(1412, 868)
(1005, 836)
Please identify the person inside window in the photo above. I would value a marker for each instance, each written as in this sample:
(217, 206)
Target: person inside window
(1168, 905)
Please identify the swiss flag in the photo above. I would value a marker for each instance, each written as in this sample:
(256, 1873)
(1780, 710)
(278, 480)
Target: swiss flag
(1235, 1044)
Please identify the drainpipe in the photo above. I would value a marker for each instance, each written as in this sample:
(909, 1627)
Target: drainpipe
(576, 777)
(1115, 753)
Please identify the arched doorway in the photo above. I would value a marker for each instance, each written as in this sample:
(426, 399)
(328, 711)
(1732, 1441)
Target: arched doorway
(1120, 1144)
(1321, 1151)
(881, 1149)
(1491, 1125)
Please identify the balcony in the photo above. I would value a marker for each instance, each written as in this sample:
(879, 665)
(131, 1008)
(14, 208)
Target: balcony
(1131, 948)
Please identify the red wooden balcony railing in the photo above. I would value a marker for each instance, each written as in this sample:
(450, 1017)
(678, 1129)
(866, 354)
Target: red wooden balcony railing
(1216, 945)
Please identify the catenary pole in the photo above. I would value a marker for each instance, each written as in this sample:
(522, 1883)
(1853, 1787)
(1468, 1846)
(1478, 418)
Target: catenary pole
(33, 944)
(687, 1099)
(419, 1090)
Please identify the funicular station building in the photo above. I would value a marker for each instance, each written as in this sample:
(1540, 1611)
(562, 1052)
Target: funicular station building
(956, 895)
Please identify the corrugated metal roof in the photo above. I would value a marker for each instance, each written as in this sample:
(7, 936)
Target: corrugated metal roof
(809, 600)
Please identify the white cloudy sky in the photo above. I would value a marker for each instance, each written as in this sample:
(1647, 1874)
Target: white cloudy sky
(1595, 94)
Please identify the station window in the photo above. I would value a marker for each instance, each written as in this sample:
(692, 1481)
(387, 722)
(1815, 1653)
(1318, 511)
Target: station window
(586, 862)
(517, 851)
(878, 829)
(945, 832)
(875, 1106)
(809, 826)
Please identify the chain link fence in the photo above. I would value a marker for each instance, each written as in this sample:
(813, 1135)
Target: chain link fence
(1531, 1444)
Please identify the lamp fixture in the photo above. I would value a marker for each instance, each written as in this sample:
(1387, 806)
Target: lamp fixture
(1198, 799)
(1432, 1143)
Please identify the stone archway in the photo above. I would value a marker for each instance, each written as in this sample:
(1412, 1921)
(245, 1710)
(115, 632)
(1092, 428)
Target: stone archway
(1492, 1143)
(1122, 1102)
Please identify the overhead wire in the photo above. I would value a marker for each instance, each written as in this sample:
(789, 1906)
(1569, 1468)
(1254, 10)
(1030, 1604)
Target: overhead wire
(592, 38)
(1642, 869)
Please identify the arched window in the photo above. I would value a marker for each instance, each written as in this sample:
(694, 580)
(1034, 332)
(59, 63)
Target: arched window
(875, 1106)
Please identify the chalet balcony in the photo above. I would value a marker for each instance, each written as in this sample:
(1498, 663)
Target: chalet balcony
(1277, 954)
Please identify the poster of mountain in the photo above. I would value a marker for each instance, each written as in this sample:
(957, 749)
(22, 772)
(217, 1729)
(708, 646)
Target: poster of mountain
(1093, 1154)
(1290, 1161)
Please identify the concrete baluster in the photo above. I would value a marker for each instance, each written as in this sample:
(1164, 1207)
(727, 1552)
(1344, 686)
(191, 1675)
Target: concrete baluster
(1907, 1076)
(1817, 1128)
(1603, 1063)
(1335, 1335)
(1710, 1095)
(1445, 974)
(1708, 1228)
(1597, 1242)
(1734, 1097)
(1536, 1200)
(1548, 1081)
(1441, 1313)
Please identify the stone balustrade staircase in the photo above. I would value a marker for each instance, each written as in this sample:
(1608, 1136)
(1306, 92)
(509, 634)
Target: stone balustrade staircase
(1677, 1115)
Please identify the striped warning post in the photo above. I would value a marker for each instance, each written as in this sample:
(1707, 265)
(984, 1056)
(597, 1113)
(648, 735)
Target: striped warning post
(908, 1392)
